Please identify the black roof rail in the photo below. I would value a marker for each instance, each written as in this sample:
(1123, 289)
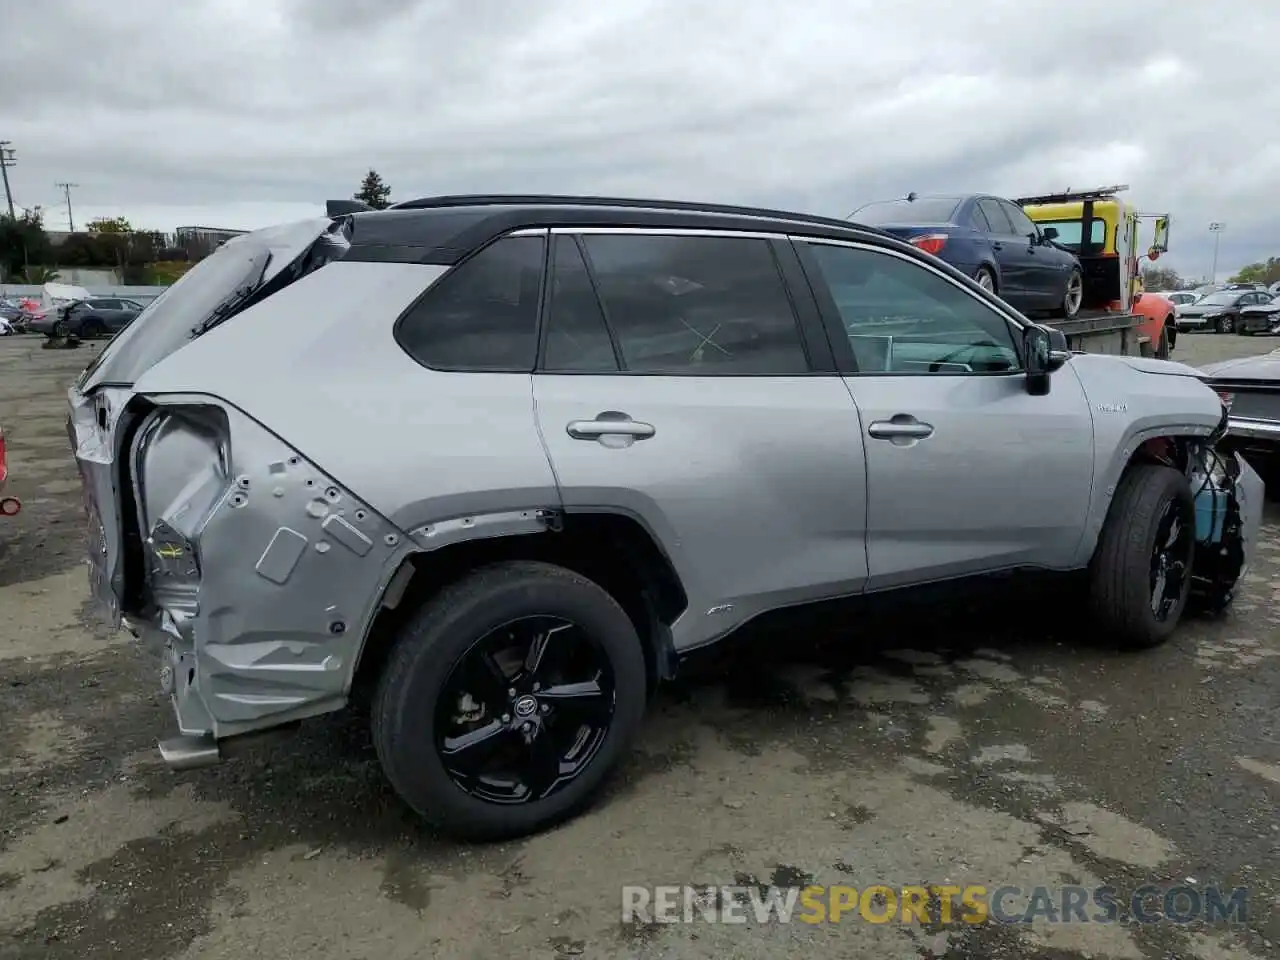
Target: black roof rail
(555, 200)
(340, 208)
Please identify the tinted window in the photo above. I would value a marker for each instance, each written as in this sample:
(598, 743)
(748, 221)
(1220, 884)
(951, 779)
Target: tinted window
(481, 315)
(921, 210)
(901, 317)
(577, 338)
(103, 304)
(995, 216)
(696, 305)
(1022, 224)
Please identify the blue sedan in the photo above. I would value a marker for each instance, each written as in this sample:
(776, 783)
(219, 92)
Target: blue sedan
(993, 241)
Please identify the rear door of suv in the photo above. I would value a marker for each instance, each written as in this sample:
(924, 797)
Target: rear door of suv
(684, 379)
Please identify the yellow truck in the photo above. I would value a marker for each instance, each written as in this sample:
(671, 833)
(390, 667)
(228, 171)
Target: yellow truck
(1103, 231)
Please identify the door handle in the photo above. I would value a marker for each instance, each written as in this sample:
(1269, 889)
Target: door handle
(901, 426)
(997, 245)
(609, 424)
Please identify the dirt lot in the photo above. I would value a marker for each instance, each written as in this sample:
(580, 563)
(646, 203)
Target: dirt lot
(995, 751)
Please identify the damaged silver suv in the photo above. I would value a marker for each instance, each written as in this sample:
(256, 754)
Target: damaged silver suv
(505, 460)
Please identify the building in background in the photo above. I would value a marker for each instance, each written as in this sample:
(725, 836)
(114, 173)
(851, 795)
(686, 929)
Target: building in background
(213, 236)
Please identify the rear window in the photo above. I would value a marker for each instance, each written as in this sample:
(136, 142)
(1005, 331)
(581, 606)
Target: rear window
(1069, 232)
(922, 210)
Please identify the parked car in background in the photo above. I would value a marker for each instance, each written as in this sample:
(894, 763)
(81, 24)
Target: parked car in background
(88, 319)
(1250, 389)
(1221, 312)
(1180, 298)
(648, 374)
(1266, 315)
(991, 240)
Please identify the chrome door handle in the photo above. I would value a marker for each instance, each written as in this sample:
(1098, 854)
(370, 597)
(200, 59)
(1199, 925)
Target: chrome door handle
(609, 425)
(908, 427)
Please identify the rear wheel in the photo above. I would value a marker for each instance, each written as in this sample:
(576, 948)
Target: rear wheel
(986, 279)
(1164, 346)
(1140, 575)
(508, 699)
(1072, 296)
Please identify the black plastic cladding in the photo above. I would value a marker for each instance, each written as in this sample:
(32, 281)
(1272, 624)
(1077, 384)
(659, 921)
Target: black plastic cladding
(445, 230)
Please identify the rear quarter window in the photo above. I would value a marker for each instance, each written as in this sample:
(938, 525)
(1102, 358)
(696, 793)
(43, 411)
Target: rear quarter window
(482, 315)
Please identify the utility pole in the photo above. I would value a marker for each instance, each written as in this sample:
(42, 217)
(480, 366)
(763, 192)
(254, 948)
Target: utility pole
(1216, 229)
(66, 192)
(7, 160)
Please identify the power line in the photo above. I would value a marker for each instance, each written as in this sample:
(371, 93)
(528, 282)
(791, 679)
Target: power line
(66, 192)
(8, 159)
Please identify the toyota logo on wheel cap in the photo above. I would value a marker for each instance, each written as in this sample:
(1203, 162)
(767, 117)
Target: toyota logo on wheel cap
(526, 706)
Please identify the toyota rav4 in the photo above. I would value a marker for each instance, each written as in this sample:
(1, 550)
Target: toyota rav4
(505, 461)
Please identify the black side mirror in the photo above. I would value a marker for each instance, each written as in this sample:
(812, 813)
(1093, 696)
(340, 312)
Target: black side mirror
(1049, 233)
(1046, 350)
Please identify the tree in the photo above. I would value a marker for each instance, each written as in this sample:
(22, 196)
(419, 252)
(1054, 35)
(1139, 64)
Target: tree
(110, 225)
(1161, 278)
(373, 191)
(23, 243)
(1268, 272)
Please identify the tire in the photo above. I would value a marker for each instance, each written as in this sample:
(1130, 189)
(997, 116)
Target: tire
(1171, 327)
(1120, 591)
(1225, 325)
(60, 328)
(986, 279)
(407, 715)
(1163, 347)
(1072, 296)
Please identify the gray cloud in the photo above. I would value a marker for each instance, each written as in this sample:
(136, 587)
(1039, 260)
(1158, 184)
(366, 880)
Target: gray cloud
(242, 113)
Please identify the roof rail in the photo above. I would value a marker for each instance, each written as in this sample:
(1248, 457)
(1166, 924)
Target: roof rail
(528, 200)
(1071, 196)
(340, 208)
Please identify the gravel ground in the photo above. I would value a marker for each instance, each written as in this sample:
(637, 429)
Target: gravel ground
(965, 748)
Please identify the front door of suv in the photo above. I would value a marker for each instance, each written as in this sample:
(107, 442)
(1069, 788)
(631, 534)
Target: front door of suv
(677, 382)
(966, 472)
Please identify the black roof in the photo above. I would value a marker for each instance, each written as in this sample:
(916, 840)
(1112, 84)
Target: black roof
(444, 230)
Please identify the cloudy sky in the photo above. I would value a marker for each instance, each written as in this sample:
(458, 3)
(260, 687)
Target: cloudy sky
(240, 113)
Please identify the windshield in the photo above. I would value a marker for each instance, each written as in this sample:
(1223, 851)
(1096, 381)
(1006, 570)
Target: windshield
(1218, 300)
(1069, 232)
(168, 321)
(923, 210)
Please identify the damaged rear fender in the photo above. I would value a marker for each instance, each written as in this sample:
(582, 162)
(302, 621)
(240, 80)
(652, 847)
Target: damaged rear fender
(260, 572)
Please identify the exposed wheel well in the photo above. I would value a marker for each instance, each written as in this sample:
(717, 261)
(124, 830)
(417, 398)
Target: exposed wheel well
(613, 550)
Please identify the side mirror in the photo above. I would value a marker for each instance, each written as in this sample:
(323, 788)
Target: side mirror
(1160, 243)
(1050, 233)
(1046, 350)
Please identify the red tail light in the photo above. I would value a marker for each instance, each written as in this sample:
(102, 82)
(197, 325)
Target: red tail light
(4, 463)
(930, 242)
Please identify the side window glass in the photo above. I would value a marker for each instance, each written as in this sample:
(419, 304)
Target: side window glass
(1022, 224)
(697, 306)
(483, 314)
(577, 338)
(978, 219)
(995, 216)
(902, 318)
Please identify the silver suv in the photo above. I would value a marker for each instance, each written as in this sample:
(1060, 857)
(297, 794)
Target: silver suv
(505, 460)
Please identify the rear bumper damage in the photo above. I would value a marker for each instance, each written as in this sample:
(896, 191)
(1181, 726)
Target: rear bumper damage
(252, 573)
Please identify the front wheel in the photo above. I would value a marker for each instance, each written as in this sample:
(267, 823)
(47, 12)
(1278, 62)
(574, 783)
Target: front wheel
(1140, 575)
(508, 699)
(1225, 325)
(1164, 346)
